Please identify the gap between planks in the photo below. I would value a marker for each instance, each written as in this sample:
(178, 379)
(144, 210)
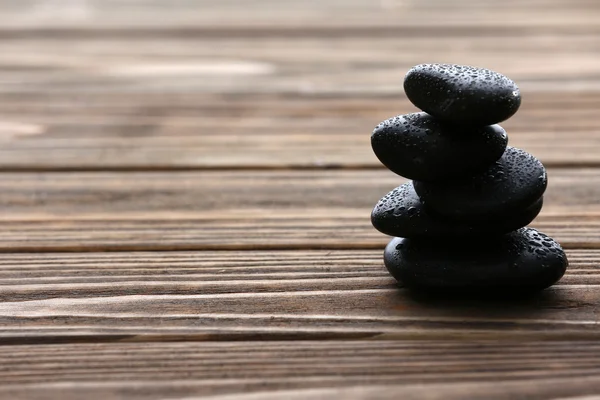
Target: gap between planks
(291, 32)
(124, 248)
(234, 167)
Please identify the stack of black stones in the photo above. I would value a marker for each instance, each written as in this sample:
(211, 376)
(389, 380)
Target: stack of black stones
(459, 225)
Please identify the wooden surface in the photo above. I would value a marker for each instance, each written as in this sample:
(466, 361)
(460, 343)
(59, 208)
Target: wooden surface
(186, 188)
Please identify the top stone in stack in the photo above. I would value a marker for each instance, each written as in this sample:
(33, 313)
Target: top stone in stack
(467, 183)
(462, 95)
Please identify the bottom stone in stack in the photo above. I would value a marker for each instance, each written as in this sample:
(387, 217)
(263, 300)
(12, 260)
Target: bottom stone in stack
(520, 261)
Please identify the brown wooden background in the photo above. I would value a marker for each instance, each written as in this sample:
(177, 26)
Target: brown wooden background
(186, 188)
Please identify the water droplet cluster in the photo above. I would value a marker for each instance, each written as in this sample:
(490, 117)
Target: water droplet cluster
(419, 146)
(460, 222)
(462, 94)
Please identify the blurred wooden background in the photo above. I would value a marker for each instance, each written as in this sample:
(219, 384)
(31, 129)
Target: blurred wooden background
(200, 171)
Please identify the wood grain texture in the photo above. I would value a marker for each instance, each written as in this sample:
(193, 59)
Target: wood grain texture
(300, 370)
(507, 16)
(193, 100)
(47, 275)
(254, 131)
(268, 295)
(228, 144)
(238, 209)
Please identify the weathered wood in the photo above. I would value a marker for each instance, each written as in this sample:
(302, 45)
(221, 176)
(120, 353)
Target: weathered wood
(193, 101)
(47, 275)
(359, 66)
(264, 131)
(300, 370)
(257, 101)
(561, 312)
(285, 294)
(332, 229)
(238, 210)
(510, 17)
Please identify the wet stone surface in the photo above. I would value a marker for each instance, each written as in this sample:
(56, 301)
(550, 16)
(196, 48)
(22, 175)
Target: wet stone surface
(523, 260)
(459, 225)
(401, 213)
(462, 95)
(510, 185)
(417, 146)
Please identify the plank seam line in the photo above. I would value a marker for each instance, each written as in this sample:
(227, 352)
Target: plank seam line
(290, 32)
(286, 336)
(292, 317)
(225, 247)
(246, 168)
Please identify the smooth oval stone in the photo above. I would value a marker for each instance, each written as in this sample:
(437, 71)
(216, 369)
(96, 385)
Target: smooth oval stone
(401, 213)
(511, 185)
(418, 146)
(462, 94)
(522, 260)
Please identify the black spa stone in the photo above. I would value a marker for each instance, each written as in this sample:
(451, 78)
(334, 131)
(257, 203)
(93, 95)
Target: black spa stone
(524, 260)
(512, 184)
(462, 95)
(401, 213)
(418, 146)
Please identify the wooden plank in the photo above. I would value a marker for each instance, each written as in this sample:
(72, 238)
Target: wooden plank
(259, 131)
(300, 370)
(40, 276)
(102, 14)
(80, 66)
(563, 311)
(156, 101)
(267, 295)
(273, 64)
(279, 230)
(238, 209)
